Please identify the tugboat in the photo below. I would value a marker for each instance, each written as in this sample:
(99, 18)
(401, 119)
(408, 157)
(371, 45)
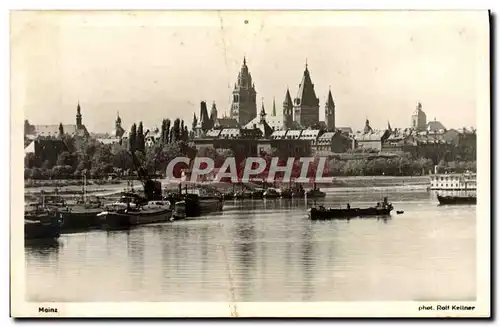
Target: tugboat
(455, 200)
(382, 209)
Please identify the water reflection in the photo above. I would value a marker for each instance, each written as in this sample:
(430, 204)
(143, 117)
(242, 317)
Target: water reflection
(135, 250)
(245, 246)
(307, 262)
(256, 251)
(43, 248)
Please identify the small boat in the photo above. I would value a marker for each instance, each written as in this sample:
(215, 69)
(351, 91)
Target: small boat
(293, 192)
(399, 212)
(228, 196)
(271, 193)
(258, 194)
(315, 192)
(242, 195)
(42, 226)
(382, 209)
(449, 200)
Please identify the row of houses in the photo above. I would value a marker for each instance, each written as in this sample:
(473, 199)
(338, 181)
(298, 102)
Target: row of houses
(433, 145)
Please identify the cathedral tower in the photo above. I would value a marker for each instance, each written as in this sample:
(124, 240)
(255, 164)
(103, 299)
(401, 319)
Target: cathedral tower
(330, 112)
(287, 111)
(306, 104)
(78, 116)
(418, 119)
(244, 105)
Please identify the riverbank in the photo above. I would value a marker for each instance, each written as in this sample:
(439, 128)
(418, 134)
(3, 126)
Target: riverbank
(337, 182)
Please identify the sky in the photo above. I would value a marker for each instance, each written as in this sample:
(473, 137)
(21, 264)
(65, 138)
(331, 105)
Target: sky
(153, 65)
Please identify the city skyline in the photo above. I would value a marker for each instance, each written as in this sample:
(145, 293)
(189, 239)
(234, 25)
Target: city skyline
(148, 66)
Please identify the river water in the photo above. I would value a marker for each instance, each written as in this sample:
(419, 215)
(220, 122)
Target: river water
(270, 251)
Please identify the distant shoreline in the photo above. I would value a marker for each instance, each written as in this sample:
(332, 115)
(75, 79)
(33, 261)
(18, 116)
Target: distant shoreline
(338, 182)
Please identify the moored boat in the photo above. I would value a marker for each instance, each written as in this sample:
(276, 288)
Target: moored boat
(451, 200)
(271, 193)
(382, 209)
(42, 226)
(126, 218)
(179, 211)
(79, 217)
(315, 193)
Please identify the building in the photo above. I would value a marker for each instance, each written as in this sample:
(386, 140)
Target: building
(226, 122)
(334, 142)
(274, 122)
(244, 105)
(284, 148)
(51, 131)
(419, 119)
(46, 151)
(433, 146)
(345, 130)
(371, 139)
(464, 141)
(204, 124)
(116, 135)
(152, 136)
(400, 140)
(311, 135)
(306, 104)
(330, 112)
(435, 127)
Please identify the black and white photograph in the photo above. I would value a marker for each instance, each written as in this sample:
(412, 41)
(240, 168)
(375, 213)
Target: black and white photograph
(250, 163)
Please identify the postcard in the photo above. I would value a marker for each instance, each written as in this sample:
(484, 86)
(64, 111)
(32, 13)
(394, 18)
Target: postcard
(250, 163)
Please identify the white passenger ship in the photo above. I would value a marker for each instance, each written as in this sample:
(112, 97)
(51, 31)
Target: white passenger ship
(454, 182)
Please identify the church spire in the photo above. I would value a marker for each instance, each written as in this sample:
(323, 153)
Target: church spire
(330, 111)
(78, 116)
(274, 106)
(118, 119)
(262, 113)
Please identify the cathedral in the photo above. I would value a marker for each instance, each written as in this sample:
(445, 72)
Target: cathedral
(300, 113)
(244, 105)
(306, 104)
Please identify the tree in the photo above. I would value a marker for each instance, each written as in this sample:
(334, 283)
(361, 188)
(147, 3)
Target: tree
(164, 134)
(122, 159)
(176, 131)
(28, 173)
(140, 141)
(30, 160)
(195, 122)
(61, 130)
(102, 156)
(167, 132)
(185, 134)
(133, 138)
(28, 128)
